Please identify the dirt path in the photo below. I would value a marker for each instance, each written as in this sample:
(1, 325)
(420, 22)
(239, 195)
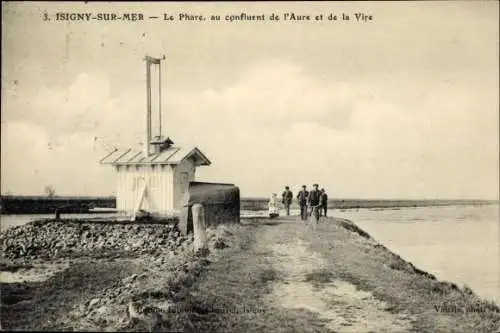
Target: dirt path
(305, 284)
(274, 270)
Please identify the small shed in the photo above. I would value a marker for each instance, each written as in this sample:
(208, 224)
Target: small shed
(221, 204)
(157, 182)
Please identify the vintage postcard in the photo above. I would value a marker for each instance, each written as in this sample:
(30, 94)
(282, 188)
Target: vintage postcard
(250, 166)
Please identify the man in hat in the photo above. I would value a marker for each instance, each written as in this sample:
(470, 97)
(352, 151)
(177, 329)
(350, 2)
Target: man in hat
(302, 198)
(287, 197)
(323, 199)
(314, 200)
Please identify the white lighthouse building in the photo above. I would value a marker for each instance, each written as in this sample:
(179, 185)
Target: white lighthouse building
(156, 177)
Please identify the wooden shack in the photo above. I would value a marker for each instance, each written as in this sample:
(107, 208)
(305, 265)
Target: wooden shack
(156, 177)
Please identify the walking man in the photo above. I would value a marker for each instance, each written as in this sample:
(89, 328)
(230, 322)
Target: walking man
(323, 199)
(314, 201)
(302, 198)
(287, 197)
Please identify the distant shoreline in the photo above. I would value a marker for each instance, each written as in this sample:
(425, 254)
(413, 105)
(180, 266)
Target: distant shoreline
(261, 203)
(17, 204)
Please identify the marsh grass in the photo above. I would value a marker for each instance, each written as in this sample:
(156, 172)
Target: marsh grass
(51, 299)
(14, 267)
(320, 276)
(268, 275)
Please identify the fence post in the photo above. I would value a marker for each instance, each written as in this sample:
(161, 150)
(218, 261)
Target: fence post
(199, 227)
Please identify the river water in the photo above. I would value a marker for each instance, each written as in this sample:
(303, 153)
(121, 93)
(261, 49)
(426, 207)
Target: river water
(459, 244)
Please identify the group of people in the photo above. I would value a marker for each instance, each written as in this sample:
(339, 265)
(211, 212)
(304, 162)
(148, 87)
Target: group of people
(307, 200)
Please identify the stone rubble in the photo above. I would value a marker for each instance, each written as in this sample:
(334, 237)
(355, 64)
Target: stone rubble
(56, 238)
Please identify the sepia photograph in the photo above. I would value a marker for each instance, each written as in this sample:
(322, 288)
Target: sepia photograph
(256, 166)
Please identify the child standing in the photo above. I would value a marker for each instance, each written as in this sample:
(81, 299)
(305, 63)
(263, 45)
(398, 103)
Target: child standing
(273, 206)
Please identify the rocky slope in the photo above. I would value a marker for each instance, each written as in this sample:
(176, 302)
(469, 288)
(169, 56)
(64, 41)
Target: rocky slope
(50, 239)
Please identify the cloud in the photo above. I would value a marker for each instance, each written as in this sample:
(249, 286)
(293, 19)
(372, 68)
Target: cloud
(62, 136)
(274, 124)
(280, 125)
(274, 92)
(31, 160)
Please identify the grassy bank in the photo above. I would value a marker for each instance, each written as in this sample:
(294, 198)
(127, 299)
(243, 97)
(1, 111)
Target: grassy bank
(247, 276)
(437, 306)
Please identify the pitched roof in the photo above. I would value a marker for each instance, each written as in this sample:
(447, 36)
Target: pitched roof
(170, 155)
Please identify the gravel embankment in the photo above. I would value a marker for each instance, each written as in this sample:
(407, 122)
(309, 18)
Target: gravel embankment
(50, 239)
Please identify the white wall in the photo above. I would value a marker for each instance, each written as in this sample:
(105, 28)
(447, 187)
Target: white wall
(160, 194)
(186, 166)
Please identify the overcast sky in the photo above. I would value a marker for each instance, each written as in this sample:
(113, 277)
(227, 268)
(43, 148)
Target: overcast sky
(404, 106)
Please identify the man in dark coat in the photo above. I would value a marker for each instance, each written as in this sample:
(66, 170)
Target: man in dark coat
(287, 197)
(314, 200)
(302, 198)
(323, 199)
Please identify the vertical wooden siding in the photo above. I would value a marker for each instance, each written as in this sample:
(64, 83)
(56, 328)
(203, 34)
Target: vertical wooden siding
(160, 193)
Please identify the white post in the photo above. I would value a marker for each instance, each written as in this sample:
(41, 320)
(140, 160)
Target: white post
(314, 217)
(199, 227)
(147, 135)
